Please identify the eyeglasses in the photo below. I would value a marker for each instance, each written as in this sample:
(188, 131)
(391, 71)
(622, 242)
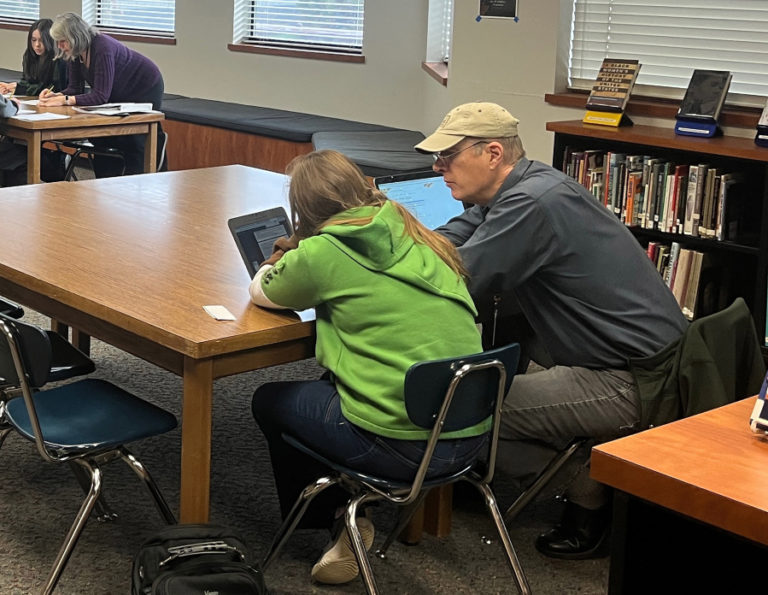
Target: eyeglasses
(444, 159)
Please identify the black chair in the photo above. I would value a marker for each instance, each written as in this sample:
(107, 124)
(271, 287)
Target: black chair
(85, 423)
(11, 309)
(443, 395)
(86, 150)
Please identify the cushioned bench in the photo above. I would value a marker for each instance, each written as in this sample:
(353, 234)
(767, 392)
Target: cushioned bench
(377, 153)
(9, 76)
(206, 132)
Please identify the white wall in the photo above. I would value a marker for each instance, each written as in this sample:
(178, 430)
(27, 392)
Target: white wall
(498, 60)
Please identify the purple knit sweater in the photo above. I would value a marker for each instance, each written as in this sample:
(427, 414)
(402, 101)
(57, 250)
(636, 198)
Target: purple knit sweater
(117, 73)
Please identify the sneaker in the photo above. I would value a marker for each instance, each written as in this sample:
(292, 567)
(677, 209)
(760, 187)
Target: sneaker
(338, 564)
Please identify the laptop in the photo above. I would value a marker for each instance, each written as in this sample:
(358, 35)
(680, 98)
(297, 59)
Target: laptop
(424, 194)
(255, 235)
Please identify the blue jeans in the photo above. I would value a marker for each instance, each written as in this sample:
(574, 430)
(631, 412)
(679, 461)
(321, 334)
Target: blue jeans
(311, 411)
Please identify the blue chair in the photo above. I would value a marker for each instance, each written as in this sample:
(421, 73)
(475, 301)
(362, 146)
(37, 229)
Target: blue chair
(442, 395)
(84, 423)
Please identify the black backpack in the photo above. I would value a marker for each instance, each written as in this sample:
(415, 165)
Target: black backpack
(191, 559)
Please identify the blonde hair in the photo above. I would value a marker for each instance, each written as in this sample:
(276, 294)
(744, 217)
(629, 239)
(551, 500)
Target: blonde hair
(325, 184)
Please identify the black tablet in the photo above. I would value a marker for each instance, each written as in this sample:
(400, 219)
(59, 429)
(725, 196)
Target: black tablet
(255, 235)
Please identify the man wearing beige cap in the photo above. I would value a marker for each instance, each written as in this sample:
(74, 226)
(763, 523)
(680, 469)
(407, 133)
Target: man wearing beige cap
(586, 299)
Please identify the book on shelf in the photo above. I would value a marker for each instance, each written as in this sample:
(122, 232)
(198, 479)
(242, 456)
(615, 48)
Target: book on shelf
(662, 258)
(706, 229)
(679, 282)
(705, 95)
(727, 192)
(682, 192)
(692, 285)
(671, 268)
(613, 85)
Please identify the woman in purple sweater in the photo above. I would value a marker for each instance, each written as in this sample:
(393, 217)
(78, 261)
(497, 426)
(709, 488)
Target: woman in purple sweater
(115, 73)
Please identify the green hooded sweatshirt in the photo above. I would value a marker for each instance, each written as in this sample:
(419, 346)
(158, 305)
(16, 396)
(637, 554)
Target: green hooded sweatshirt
(383, 303)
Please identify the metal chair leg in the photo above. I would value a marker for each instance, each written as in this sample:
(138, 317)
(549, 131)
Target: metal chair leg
(3, 435)
(103, 511)
(404, 517)
(358, 545)
(77, 526)
(490, 503)
(157, 496)
(542, 480)
(294, 516)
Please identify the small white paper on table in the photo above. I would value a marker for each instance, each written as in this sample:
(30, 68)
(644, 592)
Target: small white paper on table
(307, 315)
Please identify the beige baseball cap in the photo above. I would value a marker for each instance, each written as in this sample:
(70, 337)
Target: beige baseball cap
(479, 119)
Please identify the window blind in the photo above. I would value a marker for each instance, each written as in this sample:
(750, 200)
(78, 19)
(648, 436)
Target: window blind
(19, 11)
(439, 29)
(142, 17)
(320, 25)
(671, 40)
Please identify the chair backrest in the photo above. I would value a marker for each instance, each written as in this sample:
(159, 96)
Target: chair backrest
(33, 347)
(456, 393)
(426, 384)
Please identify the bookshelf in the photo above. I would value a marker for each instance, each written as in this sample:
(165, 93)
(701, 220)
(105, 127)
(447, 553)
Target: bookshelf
(744, 258)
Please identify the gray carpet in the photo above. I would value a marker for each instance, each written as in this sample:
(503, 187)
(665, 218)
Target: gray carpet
(38, 501)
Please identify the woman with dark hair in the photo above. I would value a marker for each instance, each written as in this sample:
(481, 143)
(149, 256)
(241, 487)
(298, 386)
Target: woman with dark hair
(40, 69)
(115, 73)
(388, 293)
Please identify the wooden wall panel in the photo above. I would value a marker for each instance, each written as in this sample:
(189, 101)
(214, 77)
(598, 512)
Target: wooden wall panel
(191, 146)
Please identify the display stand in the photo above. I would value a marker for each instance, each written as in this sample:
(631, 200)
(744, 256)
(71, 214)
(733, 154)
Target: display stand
(614, 119)
(697, 128)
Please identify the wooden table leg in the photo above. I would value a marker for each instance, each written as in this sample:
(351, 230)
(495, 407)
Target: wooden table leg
(438, 510)
(150, 149)
(433, 516)
(33, 157)
(58, 327)
(196, 417)
(81, 340)
(411, 534)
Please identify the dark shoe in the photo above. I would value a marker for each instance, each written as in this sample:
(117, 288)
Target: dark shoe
(581, 534)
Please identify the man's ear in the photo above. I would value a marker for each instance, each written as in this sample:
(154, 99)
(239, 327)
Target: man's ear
(496, 152)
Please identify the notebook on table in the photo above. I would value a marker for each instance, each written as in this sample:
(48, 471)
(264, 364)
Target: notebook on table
(424, 194)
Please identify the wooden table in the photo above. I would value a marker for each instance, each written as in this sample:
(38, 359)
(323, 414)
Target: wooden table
(80, 126)
(710, 468)
(132, 260)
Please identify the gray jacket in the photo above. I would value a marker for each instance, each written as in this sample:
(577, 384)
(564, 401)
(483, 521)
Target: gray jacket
(583, 282)
(7, 107)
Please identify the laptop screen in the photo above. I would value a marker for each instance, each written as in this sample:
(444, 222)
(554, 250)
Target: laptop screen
(424, 194)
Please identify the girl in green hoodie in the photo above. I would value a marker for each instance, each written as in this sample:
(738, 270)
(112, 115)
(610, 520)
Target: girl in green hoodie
(388, 293)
